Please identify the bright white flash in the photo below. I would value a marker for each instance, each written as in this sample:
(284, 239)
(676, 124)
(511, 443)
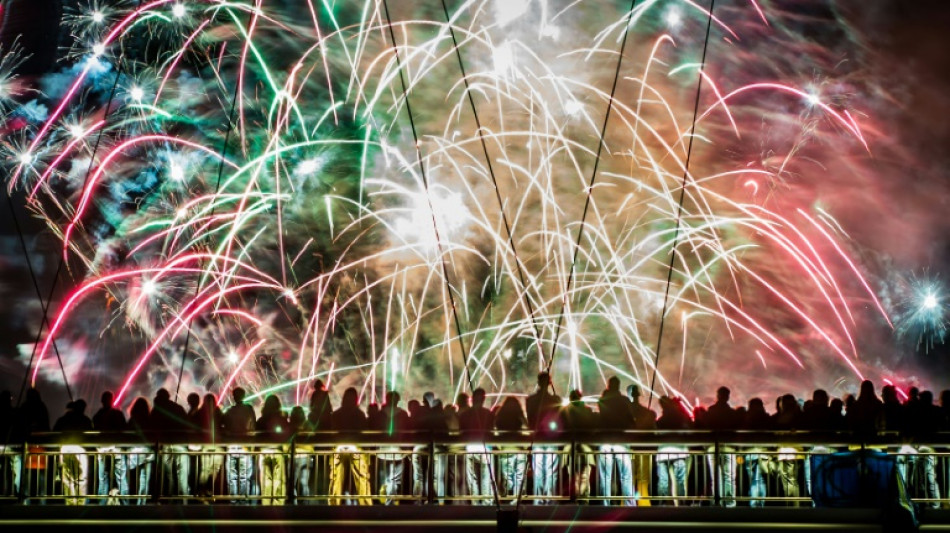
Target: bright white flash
(98, 17)
(178, 11)
(76, 131)
(176, 172)
(149, 288)
(450, 212)
(503, 58)
(98, 49)
(573, 107)
(137, 94)
(674, 19)
(233, 357)
(309, 166)
(508, 10)
(930, 301)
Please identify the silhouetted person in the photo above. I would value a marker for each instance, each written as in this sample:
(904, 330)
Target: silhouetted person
(893, 416)
(74, 466)
(33, 415)
(392, 420)
(756, 418)
(374, 416)
(923, 426)
(349, 418)
(644, 418)
(108, 418)
(944, 410)
(167, 418)
(721, 416)
(756, 464)
(462, 402)
(616, 414)
(512, 462)
(111, 468)
(296, 422)
(580, 420)
(476, 423)
(430, 420)
(141, 460)
(75, 419)
(543, 408)
(863, 416)
(209, 418)
(817, 414)
(303, 462)
(836, 415)
(238, 422)
(672, 465)
(272, 425)
(789, 415)
(321, 411)
(191, 414)
(209, 421)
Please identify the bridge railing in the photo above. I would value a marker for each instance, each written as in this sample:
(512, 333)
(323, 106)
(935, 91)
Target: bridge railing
(623, 468)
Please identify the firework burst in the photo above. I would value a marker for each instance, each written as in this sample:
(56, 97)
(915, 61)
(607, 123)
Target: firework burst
(275, 191)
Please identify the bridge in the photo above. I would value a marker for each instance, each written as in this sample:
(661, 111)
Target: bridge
(647, 481)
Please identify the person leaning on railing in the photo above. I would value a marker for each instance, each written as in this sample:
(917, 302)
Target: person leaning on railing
(476, 423)
(757, 463)
(209, 421)
(169, 419)
(273, 427)
(237, 424)
(672, 461)
(320, 419)
(512, 461)
(349, 420)
(73, 467)
(111, 466)
(616, 414)
(392, 422)
(141, 458)
(544, 418)
(722, 417)
(579, 422)
(644, 419)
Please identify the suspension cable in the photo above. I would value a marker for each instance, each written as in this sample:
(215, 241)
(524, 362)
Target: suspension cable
(435, 226)
(62, 259)
(679, 209)
(491, 172)
(590, 188)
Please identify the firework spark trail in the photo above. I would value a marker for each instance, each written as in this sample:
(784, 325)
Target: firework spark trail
(319, 240)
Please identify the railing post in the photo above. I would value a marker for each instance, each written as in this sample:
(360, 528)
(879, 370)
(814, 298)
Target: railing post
(291, 489)
(24, 473)
(572, 471)
(430, 475)
(717, 472)
(158, 475)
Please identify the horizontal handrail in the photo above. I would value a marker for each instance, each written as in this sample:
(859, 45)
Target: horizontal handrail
(412, 438)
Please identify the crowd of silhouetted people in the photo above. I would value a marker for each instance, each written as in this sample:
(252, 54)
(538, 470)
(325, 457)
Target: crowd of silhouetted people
(243, 456)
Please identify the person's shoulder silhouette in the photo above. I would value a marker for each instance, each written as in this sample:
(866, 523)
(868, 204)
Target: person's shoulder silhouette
(108, 418)
(74, 419)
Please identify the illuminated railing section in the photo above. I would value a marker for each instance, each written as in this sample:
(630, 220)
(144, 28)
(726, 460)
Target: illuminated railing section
(629, 469)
